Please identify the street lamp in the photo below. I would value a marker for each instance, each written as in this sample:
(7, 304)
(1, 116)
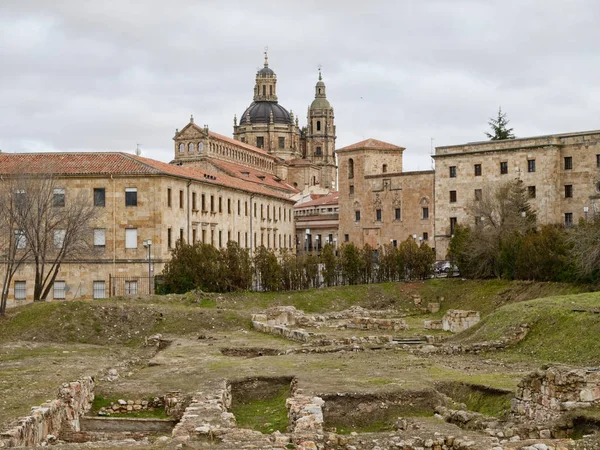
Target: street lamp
(148, 243)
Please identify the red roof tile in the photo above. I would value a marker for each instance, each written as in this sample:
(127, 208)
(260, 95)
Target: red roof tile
(252, 175)
(326, 200)
(370, 144)
(118, 164)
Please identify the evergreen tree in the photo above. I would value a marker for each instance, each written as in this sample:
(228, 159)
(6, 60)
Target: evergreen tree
(500, 128)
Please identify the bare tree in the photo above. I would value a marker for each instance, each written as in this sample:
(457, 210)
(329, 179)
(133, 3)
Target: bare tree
(14, 248)
(499, 216)
(585, 247)
(54, 226)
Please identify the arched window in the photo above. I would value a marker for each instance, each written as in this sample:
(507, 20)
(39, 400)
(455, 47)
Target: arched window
(384, 168)
(181, 148)
(191, 147)
(318, 125)
(350, 168)
(200, 147)
(270, 90)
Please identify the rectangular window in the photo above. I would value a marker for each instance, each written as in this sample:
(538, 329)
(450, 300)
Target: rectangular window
(220, 205)
(452, 196)
(169, 198)
(531, 165)
(20, 239)
(204, 236)
(246, 239)
(281, 142)
(228, 206)
(452, 171)
(255, 210)
(169, 238)
(194, 235)
(260, 142)
(246, 209)
(131, 287)
(99, 197)
(531, 191)
(395, 243)
(425, 211)
(181, 234)
(351, 189)
(568, 219)
(598, 161)
(59, 238)
(318, 151)
(20, 290)
(212, 203)
(130, 196)
(478, 194)
(131, 238)
(397, 214)
(181, 199)
(194, 203)
(59, 197)
(346, 238)
(568, 162)
(477, 168)
(503, 168)
(262, 211)
(239, 207)
(220, 239)
(425, 236)
(378, 215)
(99, 288)
(568, 190)
(99, 237)
(357, 216)
(203, 202)
(59, 290)
(453, 222)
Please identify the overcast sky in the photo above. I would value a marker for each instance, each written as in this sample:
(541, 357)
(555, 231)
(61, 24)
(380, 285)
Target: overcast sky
(105, 75)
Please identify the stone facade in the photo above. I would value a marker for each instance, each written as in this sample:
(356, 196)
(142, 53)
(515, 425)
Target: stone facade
(317, 223)
(379, 204)
(560, 171)
(171, 202)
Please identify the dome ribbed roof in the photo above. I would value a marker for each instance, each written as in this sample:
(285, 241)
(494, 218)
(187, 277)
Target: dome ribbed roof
(320, 103)
(260, 112)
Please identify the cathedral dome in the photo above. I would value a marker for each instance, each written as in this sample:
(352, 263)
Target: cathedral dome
(266, 72)
(260, 112)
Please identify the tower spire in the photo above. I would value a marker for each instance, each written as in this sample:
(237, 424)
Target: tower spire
(266, 57)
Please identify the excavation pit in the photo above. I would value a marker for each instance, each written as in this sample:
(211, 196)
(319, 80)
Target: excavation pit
(258, 403)
(367, 413)
(482, 399)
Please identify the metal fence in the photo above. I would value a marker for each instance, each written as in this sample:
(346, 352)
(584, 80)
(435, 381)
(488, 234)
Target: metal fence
(130, 286)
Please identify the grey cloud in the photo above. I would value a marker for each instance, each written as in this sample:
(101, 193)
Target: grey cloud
(105, 75)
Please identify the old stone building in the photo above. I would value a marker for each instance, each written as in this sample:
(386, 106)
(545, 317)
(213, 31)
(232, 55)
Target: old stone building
(317, 223)
(303, 156)
(379, 203)
(139, 200)
(560, 173)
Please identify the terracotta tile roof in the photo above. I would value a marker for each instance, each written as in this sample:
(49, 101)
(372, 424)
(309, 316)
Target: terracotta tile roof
(370, 144)
(252, 175)
(326, 200)
(118, 164)
(70, 163)
(300, 162)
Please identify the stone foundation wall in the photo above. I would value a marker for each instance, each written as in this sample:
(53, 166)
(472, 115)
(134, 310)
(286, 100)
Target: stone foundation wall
(432, 325)
(456, 320)
(279, 330)
(546, 394)
(52, 418)
(370, 323)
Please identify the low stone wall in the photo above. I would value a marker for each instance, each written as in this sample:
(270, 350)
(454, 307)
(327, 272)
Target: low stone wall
(279, 330)
(456, 320)
(305, 413)
(371, 323)
(546, 394)
(53, 418)
(432, 324)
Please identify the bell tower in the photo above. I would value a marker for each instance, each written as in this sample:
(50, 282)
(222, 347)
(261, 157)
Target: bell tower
(265, 89)
(320, 137)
